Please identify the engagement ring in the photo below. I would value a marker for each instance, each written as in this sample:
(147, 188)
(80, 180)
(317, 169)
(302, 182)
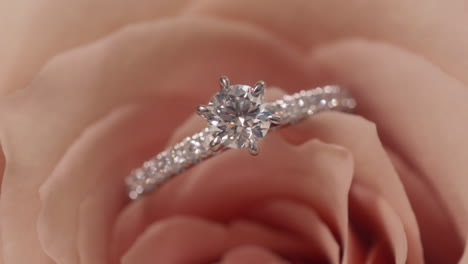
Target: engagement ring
(238, 117)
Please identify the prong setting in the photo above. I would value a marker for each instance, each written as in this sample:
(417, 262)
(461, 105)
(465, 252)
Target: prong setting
(224, 82)
(216, 144)
(253, 148)
(275, 119)
(203, 111)
(259, 87)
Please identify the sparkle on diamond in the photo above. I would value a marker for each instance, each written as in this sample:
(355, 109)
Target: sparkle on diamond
(239, 116)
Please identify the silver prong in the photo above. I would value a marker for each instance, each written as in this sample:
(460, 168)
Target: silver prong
(224, 82)
(253, 148)
(215, 144)
(275, 119)
(203, 111)
(259, 87)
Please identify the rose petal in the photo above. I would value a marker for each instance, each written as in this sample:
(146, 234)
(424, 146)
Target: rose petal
(251, 254)
(80, 168)
(188, 239)
(372, 215)
(55, 26)
(464, 258)
(430, 214)
(301, 221)
(423, 29)
(179, 240)
(373, 171)
(357, 252)
(378, 254)
(421, 113)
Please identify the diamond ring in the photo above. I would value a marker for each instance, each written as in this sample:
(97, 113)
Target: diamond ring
(238, 117)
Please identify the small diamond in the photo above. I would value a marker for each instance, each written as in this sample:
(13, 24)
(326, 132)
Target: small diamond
(139, 173)
(323, 102)
(333, 103)
(291, 109)
(154, 175)
(133, 195)
(137, 183)
(139, 189)
(194, 150)
(165, 163)
(300, 103)
(205, 138)
(179, 156)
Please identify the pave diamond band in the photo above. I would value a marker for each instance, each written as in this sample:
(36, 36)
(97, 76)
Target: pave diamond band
(237, 118)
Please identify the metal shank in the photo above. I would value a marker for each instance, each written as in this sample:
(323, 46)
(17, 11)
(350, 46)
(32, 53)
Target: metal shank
(200, 146)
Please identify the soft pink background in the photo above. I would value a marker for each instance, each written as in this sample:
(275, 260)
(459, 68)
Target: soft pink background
(92, 88)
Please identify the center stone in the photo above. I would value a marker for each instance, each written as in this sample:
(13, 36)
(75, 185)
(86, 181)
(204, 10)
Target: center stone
(239, 116)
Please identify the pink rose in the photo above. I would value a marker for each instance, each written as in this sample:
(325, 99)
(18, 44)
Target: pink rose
(92, 88)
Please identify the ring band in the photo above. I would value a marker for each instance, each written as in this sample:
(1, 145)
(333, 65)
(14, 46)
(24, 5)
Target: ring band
(238, 117)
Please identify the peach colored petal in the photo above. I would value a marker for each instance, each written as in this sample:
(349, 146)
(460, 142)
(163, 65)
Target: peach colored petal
(55, 26)
(178, 240)
(251, 254)
(246, 232)
(78, 88)
(2, 166)
(378, 254)
(433, 29)
(204, 192)
(136, 124)
(464, 259)
(374, 171)
(370, 213)
(301, 221)
(424, 208)
(183, 240)
(357, 251)
(80, 172)
(421, 113)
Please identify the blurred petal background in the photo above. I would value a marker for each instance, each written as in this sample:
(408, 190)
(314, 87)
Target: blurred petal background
(84, 86)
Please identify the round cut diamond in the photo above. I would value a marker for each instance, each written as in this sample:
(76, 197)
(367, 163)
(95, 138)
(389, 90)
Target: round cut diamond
(239, 116)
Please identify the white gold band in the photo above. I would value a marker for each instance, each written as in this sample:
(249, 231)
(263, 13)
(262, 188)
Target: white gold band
(190, 151)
